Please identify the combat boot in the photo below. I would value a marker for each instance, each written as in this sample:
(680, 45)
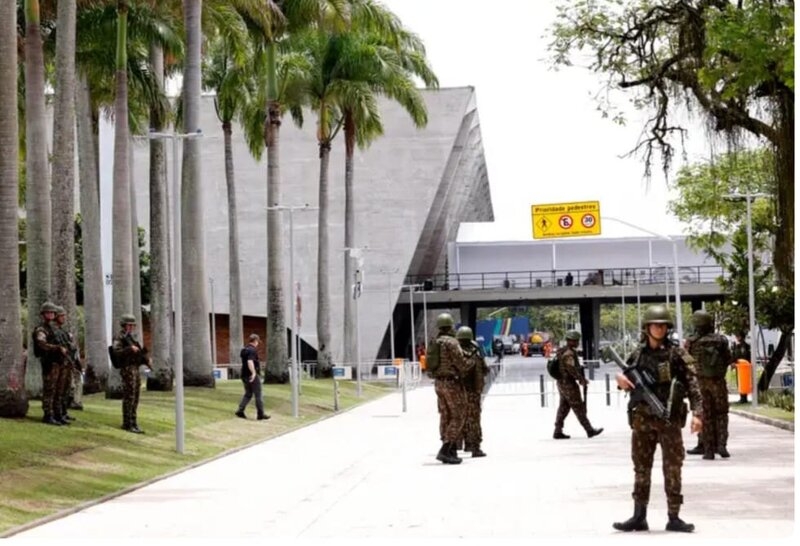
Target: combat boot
(723, 452)
(558, 435)
(445, 456)
(638, 522)
(591, 433)
(677, 524)
(135, 429)
(708, 455)
(477, 452)
(696, 450)
(455, 459)
(48, 420)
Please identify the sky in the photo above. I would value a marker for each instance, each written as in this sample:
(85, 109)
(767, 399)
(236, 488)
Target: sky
(543, 138)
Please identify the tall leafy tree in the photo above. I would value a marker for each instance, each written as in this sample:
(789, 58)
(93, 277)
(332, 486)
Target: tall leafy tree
(37, 194)
(13, 400)
(714, 221)
(731, 61)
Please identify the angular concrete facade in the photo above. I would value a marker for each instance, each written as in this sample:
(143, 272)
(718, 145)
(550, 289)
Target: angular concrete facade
(413, 187)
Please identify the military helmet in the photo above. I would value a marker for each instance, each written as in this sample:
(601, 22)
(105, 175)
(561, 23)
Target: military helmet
(445, 320)
(573, 335)
(465, 332)
(48, 307)
(127, 318)
(60, 310)
(702, 319)
(658, 314)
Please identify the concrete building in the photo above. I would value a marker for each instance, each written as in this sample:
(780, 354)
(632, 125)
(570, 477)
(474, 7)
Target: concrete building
(413, 187)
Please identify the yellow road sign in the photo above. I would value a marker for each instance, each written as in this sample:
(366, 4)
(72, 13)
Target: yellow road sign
(566, 219)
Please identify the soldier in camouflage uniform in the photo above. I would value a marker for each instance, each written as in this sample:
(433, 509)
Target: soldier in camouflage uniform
(713, 356)
(474, 382)
(673, 372)
(132, 355)
(66, 379)
(567, 384)
(448, 365)
(51, 355)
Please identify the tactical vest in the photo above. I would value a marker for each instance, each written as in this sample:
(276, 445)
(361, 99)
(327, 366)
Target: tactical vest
(656, 368)
(707, 352)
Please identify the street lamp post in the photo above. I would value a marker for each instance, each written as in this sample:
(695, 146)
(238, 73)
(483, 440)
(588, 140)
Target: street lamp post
(177, 292)
(678, 310)
(624, 324)
(638, 307)
(213, 326)
(425, 319)
(751, 293)
(295, 375)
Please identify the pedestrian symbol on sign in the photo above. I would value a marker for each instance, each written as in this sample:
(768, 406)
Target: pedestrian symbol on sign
(565, 221)
(588, 220)
(544, 224)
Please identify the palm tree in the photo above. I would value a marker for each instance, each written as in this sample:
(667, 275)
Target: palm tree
(37, 183)
(384, 59)
(196, 333)
(230, 71)
(13, 400)
(63, 176)
(93, 295)
(122, 286)
(283, 17)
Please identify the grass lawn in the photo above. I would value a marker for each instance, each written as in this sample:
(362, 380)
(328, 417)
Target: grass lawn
(766, 411)
(46, 469)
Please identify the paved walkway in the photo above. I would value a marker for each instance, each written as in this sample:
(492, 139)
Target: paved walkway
(371, 472)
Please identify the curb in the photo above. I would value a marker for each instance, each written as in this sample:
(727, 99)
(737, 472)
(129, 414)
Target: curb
(140, 485)
(786, 425)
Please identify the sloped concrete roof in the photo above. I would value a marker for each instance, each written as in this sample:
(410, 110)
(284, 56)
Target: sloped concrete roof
(413, 187)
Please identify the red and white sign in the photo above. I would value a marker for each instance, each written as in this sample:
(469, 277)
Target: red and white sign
(565, 221)
(588, 220)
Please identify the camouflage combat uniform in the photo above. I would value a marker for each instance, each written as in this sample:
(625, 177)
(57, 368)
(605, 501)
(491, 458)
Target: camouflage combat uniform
(474, 380)
(449, 389)
(568, 390)
(52, 359)
(713, 356)
(663, 364)
(131, 380)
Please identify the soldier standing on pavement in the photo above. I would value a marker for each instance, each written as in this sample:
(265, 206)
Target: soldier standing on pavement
(712, 354)
(570, 396)
(473, 381)
(673, 373)
(64, 387)
(131, 354)
(447, 364)
(51, 356)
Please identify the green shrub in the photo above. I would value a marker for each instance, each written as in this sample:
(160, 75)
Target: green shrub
(783, 399)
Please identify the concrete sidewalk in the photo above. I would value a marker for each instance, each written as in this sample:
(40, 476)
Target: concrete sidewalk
(371, 472)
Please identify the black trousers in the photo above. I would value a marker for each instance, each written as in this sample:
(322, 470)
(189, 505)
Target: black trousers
(252, 389)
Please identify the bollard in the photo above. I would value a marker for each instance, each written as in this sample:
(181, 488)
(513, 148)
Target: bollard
(541, 389)
(405, 404)
(335, 395)
(608, 390)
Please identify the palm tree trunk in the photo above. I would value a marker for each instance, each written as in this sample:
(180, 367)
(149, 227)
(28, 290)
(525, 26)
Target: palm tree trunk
(784, 158)
(13, 401)
(63, 190)
(196, 333)
(323, 260)
(136, 273)
(95, 341)
(235, 326)
(277, 356)
(160, 323)
(349, 239)
(37, 194)
(122, 291)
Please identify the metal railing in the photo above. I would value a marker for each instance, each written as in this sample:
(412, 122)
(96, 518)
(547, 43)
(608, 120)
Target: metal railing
(627, 276)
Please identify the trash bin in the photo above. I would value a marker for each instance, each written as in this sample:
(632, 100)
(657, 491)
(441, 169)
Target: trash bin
(744, 374)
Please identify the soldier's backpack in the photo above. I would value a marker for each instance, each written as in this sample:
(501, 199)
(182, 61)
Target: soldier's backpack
(552, 366)
(432, 359)
(116, 362)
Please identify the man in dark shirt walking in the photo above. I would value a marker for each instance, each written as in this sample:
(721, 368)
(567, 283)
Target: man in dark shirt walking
(251, 369)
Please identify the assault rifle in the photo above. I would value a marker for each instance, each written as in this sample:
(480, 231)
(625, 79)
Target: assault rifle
(72, 356)
(641, 381)
(142, 357)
